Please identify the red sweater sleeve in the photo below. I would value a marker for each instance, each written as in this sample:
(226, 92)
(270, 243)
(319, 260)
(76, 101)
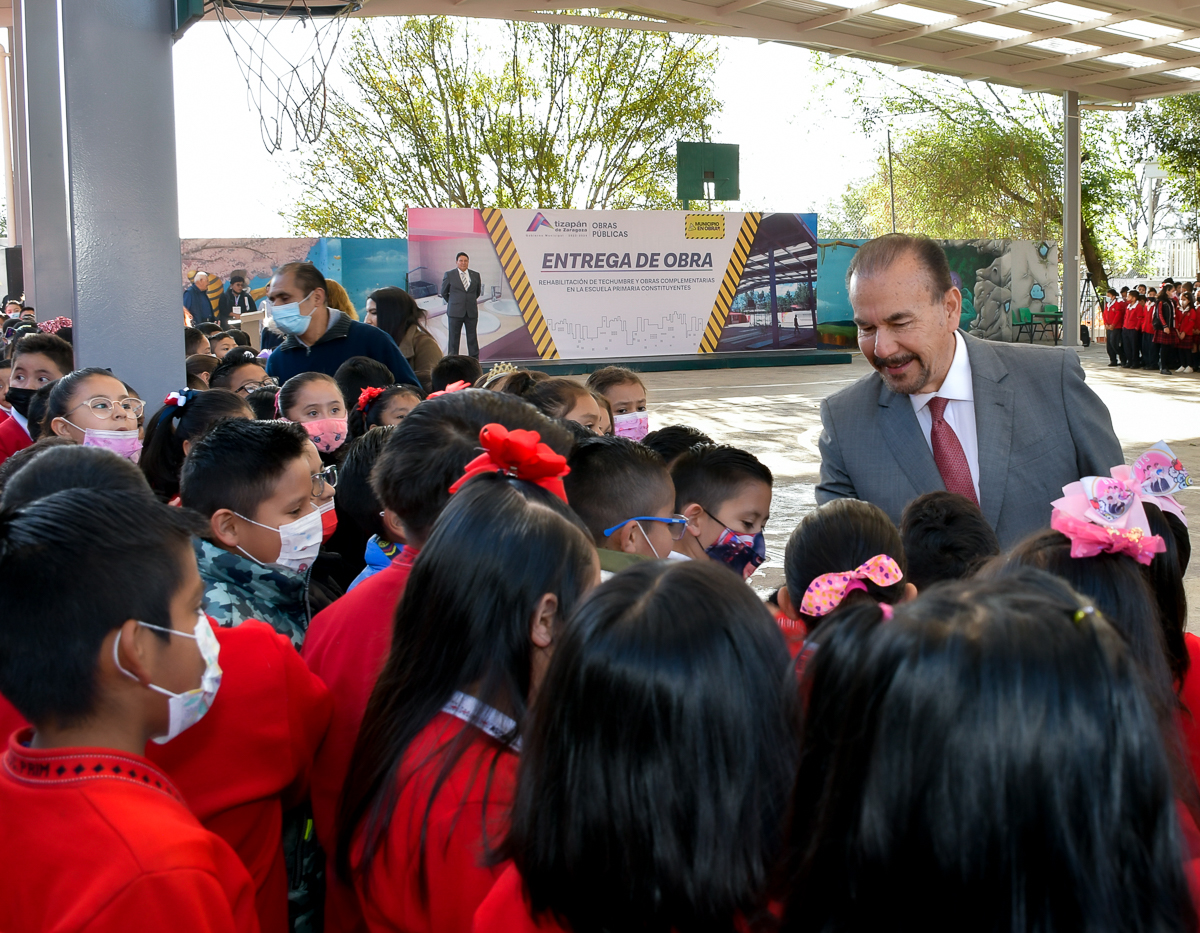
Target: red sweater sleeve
(185, 900)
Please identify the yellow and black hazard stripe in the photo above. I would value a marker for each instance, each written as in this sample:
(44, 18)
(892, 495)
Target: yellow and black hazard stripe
(518, 281)
(733, 275)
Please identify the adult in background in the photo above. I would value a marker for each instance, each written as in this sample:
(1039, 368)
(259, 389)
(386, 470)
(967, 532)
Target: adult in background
(319, 339)
(1004, 425)
(461, 289)
(235, 300)
(394, 311)
(196, 301)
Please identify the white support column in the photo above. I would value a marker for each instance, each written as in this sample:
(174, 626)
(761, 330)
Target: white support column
(1072, 215)
(22, 218)
(6, 146)
(123, 194)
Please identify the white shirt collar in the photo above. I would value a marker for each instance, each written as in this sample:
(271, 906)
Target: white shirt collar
(19, 418)
(957, 386)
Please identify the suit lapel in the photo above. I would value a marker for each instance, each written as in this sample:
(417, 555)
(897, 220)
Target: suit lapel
(903, 437)
(993, 425)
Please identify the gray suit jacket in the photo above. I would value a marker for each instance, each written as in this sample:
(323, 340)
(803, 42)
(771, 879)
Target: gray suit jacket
(1039, 427)
(461, 302)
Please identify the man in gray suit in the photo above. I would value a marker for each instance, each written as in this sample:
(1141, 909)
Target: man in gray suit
(461, 289)
(1007, 426)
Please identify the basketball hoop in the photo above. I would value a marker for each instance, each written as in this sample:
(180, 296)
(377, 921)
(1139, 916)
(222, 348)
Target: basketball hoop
(286, 89)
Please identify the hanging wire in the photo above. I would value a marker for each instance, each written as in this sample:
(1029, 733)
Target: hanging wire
(287, 90)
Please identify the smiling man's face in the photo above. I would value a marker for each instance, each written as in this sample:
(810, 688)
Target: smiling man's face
(904, 330)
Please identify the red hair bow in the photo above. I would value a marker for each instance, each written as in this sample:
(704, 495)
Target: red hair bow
(520, 454)
(367, 396)
(452, 387)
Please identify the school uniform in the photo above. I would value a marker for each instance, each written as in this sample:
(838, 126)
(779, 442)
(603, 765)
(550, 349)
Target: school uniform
(1131, 335)
(249, 758)
(1114, 321)
(13, 436)
(1185, 344)
(455, 845)
(506, 909)
(98, 840)
(1164, 336)
(1149, 350)
(346, 646)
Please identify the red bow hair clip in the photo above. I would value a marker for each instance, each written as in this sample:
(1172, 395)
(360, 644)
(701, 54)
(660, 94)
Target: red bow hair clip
(367, 396)
(452, 387)
(520, 454)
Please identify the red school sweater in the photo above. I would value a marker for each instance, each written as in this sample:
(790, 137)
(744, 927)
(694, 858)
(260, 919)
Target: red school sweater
(249, 758)
(345, 646)
(13, 437)
(455, 848)
(98, 840)
(1114, 315)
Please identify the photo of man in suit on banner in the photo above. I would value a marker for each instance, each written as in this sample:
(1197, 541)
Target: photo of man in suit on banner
(461, 288)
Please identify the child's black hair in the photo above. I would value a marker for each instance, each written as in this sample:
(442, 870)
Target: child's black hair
(59, 596)
(613, 479)
(554, 397)
(839, 537)
(1164, 575)
(199, 363)
(365, 413)
(359, 372)
(358, 506)
(430, 448)
(287, 395)
(235, 358)
(50, 346)
(208, 328)
(242, 338)
(945, 537)
(162, 456)
(454, 368)
(674, 440)
(5, 363)
(38, 406)
(56, 463)
(713, 474)
(262, 402)
(238, 464)
(606, 377)
(191, 341)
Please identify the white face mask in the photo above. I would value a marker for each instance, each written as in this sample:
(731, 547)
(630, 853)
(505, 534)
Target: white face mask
(189, 707)
(289, 318)
(299, 541)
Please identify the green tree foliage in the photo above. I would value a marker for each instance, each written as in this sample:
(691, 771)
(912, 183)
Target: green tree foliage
(551, 116)
(1171, 124)
(978, 161)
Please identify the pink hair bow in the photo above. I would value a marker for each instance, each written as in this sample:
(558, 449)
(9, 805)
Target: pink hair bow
(827, 591)
(1105, 514)
(1158, 475)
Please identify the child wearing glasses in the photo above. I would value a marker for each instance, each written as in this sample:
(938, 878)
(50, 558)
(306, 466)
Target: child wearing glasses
(624, 495)
(253, 482)
(94, 408)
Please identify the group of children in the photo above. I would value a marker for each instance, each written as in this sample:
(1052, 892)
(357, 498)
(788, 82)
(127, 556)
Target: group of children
(1154, 329)
(339, 655)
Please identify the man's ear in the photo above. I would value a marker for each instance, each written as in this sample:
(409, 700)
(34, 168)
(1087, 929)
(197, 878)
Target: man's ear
(692, 512)
(786, 606)
(223, 525)
(541, 625)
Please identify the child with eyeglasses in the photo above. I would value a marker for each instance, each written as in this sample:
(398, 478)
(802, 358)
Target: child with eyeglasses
(625, 496)
(94, 408)
(254, 482)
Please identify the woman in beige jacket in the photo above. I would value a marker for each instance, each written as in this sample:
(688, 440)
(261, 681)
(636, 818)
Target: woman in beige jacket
(394, 311)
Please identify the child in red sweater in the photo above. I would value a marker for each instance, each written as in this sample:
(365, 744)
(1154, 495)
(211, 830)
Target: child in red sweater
(431, 780)
(1131, 335)
(95, 837)
(348, 642)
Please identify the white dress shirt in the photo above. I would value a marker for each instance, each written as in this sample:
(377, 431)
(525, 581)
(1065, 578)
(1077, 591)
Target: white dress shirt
(960, 408)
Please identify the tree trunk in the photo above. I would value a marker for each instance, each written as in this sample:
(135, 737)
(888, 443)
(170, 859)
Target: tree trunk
(1091, 256)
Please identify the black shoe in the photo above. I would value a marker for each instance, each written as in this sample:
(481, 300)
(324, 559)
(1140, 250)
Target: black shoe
(1165, 372)
(1114, 364)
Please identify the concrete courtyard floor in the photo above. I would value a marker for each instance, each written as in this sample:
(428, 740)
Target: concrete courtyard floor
(775, 414)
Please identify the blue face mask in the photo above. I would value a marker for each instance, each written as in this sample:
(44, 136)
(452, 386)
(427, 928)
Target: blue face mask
(743, 553)
(289, 319)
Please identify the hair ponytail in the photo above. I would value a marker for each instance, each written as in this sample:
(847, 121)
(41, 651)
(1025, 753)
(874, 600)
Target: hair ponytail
(186, 416)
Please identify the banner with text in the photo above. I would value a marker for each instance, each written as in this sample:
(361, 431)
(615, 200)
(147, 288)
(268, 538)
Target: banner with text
(620, 284)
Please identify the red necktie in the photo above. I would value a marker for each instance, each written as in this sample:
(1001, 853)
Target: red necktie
(948, 453)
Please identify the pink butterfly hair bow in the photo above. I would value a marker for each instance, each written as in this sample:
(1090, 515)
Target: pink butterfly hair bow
(827, 591)
(1104, 514)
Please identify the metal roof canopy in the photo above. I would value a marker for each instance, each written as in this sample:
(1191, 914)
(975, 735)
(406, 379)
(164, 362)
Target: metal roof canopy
(1104, 53)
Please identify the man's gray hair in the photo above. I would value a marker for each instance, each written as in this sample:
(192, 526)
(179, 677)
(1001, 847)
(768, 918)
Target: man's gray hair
(879, 254)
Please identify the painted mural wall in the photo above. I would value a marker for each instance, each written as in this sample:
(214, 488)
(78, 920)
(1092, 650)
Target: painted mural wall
(997, 278)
